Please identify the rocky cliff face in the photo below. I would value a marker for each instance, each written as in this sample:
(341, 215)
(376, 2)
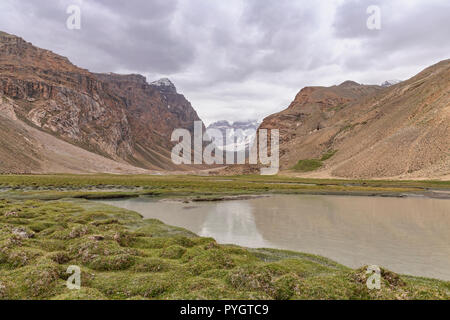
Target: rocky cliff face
(27, 149)
(378, 132)
(121, 117)
(153, 111)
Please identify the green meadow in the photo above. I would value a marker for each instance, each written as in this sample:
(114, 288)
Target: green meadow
(47, 225)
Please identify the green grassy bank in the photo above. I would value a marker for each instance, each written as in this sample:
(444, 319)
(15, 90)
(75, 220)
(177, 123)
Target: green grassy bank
(123, 256)
(46, 225)
(52, 187)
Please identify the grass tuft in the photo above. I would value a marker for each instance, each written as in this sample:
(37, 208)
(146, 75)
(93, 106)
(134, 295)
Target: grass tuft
(308, 165)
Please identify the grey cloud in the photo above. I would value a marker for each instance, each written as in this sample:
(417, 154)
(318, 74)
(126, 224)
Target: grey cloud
(141, 9)
(130, 35)
(240, 58)
(351, 19)
(409, 33)
(145, 41)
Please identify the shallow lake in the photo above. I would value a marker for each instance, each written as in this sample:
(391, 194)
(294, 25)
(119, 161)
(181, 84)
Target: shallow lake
(405, 235)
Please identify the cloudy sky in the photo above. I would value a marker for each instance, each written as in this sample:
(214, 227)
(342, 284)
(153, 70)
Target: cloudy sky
(240, 59)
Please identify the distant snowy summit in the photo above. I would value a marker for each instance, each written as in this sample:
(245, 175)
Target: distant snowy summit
(389, 83)
(241, 132)
(164, 84)
(243, 125)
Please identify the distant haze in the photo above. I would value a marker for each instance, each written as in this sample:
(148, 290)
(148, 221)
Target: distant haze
(240, 59)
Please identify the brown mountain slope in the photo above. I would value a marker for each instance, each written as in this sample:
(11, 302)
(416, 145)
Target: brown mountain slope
(311, 112)
(400, 131)
(25, 149)
(119, 117)
(17, 152)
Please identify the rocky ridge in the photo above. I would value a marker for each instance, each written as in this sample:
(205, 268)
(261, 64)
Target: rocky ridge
(399, 131)
(120, 117)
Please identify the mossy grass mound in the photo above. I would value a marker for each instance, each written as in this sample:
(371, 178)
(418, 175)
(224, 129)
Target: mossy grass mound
(122, 256)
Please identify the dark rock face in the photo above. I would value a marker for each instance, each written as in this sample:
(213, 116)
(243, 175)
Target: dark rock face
(118, 116)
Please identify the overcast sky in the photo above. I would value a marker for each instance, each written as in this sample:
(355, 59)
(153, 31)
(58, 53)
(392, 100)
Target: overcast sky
(240, 59)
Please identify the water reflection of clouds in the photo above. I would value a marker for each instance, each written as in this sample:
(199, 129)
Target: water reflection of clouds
(233, 222)
(408, 235)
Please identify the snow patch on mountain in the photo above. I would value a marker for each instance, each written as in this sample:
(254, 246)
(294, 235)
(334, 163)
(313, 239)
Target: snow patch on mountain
(164, 84)
(238, 135)
(389, 83)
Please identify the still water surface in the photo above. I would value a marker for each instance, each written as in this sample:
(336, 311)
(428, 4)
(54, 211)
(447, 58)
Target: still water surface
(405, 235)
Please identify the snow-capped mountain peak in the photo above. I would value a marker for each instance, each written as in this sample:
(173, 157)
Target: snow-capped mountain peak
(164, 84)
(242, 132)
